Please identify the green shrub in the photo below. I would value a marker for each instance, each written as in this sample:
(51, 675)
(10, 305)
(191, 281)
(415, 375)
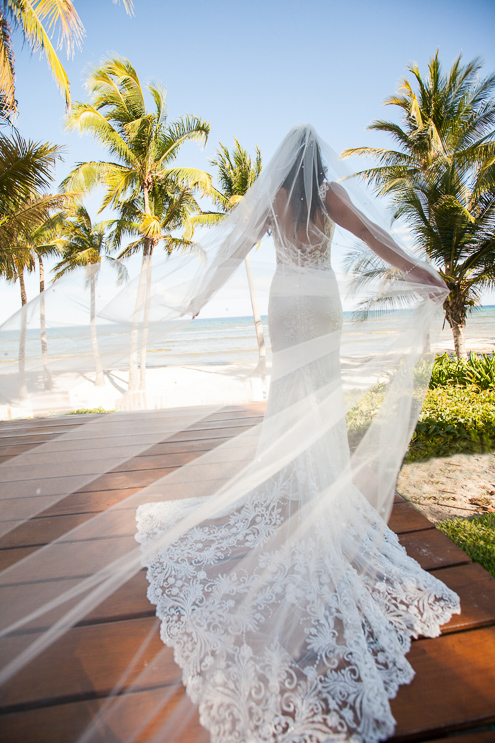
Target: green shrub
(362, 413)
(454, 420)
(477, 370)
(89, 411)
(476, 536)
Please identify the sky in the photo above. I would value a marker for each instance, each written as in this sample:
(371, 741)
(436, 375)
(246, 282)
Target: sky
(254, 69)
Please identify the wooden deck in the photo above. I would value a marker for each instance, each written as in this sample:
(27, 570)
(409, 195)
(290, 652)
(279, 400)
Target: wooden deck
(452, 697)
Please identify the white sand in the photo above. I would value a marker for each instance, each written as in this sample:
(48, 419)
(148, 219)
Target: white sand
(476, 340)
(166, 387)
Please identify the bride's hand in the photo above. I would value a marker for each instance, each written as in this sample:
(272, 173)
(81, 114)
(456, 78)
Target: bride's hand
(421, 275)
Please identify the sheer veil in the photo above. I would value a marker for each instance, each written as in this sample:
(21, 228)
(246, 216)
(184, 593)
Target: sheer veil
(288, 602)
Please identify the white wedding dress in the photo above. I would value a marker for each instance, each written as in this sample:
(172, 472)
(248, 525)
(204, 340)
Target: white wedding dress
(291, 621)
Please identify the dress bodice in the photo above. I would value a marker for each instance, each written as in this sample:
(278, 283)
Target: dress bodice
(314, 250)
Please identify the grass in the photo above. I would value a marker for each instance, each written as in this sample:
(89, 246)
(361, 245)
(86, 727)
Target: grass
(89, 411)
(454, 420)
(476, 536)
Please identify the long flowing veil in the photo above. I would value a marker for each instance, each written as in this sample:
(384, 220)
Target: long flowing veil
(288, 602)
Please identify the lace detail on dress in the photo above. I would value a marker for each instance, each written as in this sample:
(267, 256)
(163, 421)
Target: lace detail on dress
(336, 684)
(313, 250)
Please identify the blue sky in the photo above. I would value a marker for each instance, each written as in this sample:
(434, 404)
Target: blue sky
(254, 69)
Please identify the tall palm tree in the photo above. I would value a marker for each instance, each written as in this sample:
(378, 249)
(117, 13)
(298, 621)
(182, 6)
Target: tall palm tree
(38, 244)
(13, 267)
(25, 169)
(441, 178)
(171, 206)
(37, 20)
(236, 173)
(144, 146)
(83, 243)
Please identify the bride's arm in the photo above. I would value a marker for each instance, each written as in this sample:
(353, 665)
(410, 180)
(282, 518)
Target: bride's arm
(343, 212)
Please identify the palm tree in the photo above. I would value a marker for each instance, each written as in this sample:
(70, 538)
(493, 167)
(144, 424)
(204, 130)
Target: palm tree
(13, 267)
(25, 169)
(441, 179)
(37, 19)
(37, 244)
(236, 173)
(145, 146)
(171, 206)
(83, 243)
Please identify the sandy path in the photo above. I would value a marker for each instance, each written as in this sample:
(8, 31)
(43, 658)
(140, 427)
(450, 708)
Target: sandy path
(461, 485)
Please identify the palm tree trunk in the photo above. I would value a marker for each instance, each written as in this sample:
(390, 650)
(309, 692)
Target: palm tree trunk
(22, 340)
(144, 334)
(133, 353)
(47, 377)
(261, 366)
(459, 341)
(455, 314)
(99, 379)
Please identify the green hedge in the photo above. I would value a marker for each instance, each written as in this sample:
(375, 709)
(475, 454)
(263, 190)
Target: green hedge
(475, 537)
(454, 420)
(476, 370)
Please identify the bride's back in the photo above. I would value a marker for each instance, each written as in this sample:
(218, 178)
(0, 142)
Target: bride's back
(301, 228)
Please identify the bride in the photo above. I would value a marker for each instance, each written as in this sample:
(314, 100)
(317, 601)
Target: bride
(289, 603)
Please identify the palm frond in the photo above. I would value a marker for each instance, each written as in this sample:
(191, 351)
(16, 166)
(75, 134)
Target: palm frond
(39, 20)
(7, 77)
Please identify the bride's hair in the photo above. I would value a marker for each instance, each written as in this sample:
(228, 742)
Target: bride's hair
(303, 190)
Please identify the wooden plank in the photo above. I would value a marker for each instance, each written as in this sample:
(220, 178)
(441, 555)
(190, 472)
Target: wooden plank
(44, 529)
(14, 475)
(89, 661)
(127, 602)
(405, 518)
(432, 549)
(64, 559)
(39, 531)
(453, 687)
(92, 502)
(106, 452)
(475, 736)
(476, 589)
(66, 723)
(55, 420)
(10, 557)
(60, 486)
(17, 480)
(9, 452)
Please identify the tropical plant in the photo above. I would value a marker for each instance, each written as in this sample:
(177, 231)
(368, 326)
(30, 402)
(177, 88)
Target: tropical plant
(19, 261)
(171, 206)
(477, 370)
(25, 168)
(454, 420)
(441, 180)
(83, 243)
(236, 173)
(37, 19)
(145, 146)
(38, 244)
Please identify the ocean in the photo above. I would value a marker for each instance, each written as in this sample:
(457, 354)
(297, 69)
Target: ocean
(211, 340)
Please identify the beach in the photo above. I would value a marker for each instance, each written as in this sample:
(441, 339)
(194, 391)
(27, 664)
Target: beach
(226, 349)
